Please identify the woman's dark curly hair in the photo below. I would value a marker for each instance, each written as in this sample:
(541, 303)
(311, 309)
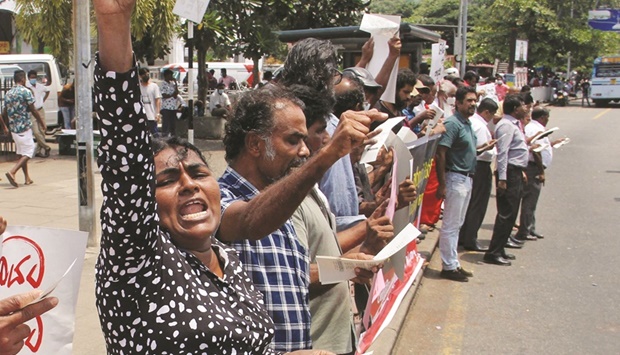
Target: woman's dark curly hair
(159, 144)
(254, 113)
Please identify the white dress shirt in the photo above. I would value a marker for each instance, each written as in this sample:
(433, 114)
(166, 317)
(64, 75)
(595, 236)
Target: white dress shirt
(483, 135)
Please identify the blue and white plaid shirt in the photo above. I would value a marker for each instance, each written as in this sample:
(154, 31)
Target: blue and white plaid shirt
(279, 267)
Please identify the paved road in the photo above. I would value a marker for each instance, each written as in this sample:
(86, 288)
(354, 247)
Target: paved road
(561, 294)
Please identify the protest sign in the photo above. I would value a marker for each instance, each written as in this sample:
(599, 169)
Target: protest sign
(423, 152)
(438, 55)
(49, 260)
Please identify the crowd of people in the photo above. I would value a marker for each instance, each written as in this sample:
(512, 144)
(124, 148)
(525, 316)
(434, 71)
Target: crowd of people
(194, 264)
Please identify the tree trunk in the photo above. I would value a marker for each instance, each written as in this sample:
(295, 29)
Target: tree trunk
(255, 73)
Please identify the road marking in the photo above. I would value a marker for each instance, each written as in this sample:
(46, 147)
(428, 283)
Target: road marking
(601, 114)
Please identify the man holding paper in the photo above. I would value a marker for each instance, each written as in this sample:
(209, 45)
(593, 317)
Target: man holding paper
(456, 165)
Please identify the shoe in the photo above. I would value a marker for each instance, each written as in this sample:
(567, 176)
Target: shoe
(39, 155)
(47, 152)
(510, 244)
(465, 272)
(537, 235)
(496, 260)
(454, 275)
(477, 247)
(524, 238)
(516, 241)
(508, 256)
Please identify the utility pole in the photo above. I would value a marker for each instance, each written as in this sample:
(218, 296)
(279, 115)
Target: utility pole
(463, 63)
(84, 125)
(190, 80)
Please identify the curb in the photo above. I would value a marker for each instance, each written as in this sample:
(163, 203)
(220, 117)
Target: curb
(387, 339)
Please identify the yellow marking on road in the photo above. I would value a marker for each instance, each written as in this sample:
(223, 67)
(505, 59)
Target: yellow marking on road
(601, 114)
(454, 325)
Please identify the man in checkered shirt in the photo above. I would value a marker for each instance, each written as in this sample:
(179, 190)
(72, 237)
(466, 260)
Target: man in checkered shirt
(269, 175)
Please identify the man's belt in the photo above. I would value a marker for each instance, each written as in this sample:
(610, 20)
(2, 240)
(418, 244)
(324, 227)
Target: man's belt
(471, 175)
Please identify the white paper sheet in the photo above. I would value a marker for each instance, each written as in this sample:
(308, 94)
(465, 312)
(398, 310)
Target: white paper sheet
(382, 31)
(370, 152)
(193, 10)
(565, 141)
(336, 269)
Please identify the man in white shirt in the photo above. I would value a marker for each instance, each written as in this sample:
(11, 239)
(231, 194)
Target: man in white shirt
(40, 92)
(219, 102)
(151, 99)
(537, 163)
(483, 179)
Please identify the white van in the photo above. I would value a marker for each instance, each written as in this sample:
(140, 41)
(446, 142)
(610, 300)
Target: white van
(47, 73)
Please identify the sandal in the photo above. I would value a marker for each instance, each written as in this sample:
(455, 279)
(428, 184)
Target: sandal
(11, 179)
(29, 182)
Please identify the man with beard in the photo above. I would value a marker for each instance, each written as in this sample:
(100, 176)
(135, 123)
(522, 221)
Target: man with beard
(405, 81)
(456, 165)
(263, 185)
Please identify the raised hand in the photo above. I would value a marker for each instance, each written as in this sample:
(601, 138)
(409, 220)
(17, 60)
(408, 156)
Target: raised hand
(351, 131)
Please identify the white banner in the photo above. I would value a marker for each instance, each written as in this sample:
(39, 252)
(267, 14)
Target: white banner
(193, 10)
(42, 258)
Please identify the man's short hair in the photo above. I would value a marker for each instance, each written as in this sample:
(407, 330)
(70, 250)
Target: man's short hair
(527, 98)
(526, 88)
(317, 106)
(220, 86)
(351, 98)
(268, 75)
(19, 75)
(511, 103)
(254, 114)
(212, 71)
(471, 75)
(487, 104)
(462, 92)
(426, 80)
(167, 72)
(310, 62)
(143, 71)
(405, 77)
(32, 72)
(540, 112)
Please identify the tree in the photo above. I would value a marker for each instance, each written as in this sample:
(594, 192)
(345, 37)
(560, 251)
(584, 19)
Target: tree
(438, 12)
(325, 13)
(404, 8)
(47, 23)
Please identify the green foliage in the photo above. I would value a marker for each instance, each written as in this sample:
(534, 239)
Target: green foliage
(47, 23)
(324, 13)
(553, 27)
(438, 12)
(404, 8)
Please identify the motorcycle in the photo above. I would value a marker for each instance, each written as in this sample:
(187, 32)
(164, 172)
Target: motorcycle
(560, 96)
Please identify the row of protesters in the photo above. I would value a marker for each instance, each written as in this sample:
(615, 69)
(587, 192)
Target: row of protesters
(165, 281)
(19, 104)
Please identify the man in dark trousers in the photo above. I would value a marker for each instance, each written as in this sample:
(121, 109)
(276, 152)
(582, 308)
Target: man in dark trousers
(483, 180)
(512, 157)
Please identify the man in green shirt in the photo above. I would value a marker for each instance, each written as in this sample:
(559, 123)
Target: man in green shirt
(456, 164)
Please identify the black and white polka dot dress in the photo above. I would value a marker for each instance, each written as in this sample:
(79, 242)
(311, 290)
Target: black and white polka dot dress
(152, 297)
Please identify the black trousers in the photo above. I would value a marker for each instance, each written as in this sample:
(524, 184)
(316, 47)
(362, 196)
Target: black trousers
(480, 193)
(507, 210)
(531, 192)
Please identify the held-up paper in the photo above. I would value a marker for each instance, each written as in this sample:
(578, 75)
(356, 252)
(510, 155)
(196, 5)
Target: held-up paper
(370, 152)
(541, 135)
(380, 25)
(193, 10)
(333, 269)
(563, 142)
(433, 122)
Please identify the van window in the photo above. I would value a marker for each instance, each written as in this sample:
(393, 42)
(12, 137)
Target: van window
(44, 73)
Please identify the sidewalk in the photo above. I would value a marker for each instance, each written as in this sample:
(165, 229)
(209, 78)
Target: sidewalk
(52, 201)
